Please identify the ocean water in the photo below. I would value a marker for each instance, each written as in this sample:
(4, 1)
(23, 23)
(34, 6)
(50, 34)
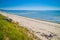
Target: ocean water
(48, 15)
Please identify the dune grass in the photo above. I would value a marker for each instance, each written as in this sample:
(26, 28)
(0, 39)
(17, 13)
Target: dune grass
(12, 31)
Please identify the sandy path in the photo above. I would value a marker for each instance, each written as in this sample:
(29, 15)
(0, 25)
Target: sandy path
(39, 27)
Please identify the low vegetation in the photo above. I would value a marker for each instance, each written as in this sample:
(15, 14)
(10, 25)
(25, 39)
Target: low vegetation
(12, 31)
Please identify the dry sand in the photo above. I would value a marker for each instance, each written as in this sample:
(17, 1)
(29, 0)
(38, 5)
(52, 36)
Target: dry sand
(40, 28)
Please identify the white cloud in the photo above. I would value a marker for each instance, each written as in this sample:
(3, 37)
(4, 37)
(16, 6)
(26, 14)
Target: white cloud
(32, 8)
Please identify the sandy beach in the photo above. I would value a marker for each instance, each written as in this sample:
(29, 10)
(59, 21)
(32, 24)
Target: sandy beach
(39, 27)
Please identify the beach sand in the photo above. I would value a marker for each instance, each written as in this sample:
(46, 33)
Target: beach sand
(38, 27)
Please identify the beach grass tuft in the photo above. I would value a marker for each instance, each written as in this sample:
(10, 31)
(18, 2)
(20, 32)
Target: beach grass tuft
(12, 31)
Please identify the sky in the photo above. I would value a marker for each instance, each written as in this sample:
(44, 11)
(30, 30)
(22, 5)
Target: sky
(30, 4)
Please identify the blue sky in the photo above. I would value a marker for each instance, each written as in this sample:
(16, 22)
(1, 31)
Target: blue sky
(30, 4)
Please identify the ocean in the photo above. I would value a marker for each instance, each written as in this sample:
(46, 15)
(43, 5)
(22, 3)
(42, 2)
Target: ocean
(47, 15)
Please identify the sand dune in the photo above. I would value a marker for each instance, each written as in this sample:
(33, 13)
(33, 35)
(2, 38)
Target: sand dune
(40, 28)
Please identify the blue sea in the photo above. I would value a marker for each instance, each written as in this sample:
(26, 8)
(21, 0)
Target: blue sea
(48, 15)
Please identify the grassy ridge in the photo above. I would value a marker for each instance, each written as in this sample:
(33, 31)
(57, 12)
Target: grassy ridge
(12, 31)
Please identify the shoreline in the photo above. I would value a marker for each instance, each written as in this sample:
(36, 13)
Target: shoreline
(36, 25)
(33, 18)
